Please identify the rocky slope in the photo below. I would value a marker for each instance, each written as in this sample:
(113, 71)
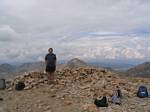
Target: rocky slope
(7, 70)
(142, 70)
(74, 91)
(75, 63)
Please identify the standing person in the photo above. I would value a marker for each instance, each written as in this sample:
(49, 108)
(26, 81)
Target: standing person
(50, 60)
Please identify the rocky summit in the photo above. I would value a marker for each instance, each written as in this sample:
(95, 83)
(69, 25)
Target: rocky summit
(73, 91)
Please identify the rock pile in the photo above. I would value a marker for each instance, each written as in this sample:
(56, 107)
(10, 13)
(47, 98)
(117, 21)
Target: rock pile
(91, 83)
(81, 82)
(81, 86)
(31, 80)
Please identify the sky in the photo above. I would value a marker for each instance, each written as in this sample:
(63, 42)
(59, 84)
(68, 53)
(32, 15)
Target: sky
(85, 29)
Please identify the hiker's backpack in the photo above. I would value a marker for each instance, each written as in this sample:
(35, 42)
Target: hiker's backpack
(2, 84)
(101, 102)
(116, 100)
(142, 92)
(119, 93)
(20, 86)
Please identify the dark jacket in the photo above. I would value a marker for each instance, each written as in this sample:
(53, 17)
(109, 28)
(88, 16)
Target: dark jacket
(51, 59)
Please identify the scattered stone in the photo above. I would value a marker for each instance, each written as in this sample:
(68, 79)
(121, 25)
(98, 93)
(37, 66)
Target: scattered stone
(89, 107)
(132, 106)
(143, 104)
(48, 111)
(68, 103)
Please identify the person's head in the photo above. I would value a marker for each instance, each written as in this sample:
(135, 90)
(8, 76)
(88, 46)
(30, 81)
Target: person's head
(50, 50)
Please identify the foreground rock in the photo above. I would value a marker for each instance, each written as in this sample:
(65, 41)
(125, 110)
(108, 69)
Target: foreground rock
(74, 90)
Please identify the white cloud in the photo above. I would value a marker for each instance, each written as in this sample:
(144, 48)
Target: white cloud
(108, 48)
(88, 29)
(69, 16)
(7, 33)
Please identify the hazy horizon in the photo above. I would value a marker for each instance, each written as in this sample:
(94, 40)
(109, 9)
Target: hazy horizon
(113, 64)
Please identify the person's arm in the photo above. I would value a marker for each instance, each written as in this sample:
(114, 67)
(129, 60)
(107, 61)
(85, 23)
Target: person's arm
(55, 60)
(46, 60)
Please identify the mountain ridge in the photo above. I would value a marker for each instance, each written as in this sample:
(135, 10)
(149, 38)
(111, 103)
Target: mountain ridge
(141, 70)
(7, 70)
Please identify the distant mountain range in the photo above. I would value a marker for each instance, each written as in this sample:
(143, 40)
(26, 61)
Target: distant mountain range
(74, 63)
(7, 70)
(142, 70)
(116, 64)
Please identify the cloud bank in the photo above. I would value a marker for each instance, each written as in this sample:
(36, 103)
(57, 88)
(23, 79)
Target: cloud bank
(87, 29)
